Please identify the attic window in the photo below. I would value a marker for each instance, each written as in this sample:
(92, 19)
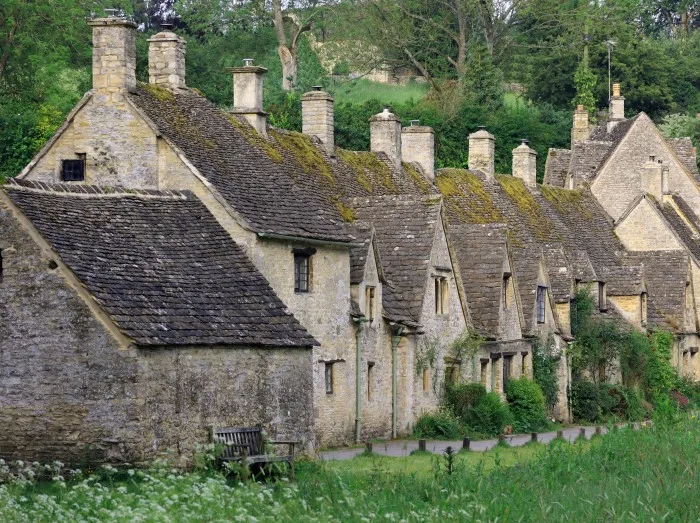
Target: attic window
(602, 297)
(541, 295)
(506, 284)
(73, 170)
(370, 301)
(441, 290)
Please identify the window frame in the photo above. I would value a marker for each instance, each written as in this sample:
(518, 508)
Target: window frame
(426, 379)
(541, 304)
(329, 377)
(303, 256)
(370, 302)
(441, 295)
(370, 367)
(602, 297)
(507, 372)
(506, 283)
(80, 161)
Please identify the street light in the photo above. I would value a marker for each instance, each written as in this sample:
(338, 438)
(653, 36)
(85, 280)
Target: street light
(610, 44)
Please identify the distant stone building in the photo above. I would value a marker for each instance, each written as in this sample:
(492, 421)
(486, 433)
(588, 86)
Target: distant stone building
(166, 267)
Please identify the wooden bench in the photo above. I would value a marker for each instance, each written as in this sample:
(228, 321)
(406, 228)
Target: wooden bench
(246, 445)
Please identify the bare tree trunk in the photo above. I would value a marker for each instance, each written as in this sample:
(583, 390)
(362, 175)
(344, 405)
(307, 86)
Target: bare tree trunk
(461, 64)
(288, 58)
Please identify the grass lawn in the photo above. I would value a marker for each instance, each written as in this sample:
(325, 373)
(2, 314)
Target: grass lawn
(361, 90)
(647, 475)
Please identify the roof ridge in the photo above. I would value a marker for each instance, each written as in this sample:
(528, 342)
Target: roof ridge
(82, 190)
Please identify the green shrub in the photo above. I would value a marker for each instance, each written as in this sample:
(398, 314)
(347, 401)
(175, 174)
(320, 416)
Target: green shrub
(489, 416)
(690, 389)
(585, 400)
(526, 402)
(461, 397)
(544, 370)
(610, 401)
(439, 424)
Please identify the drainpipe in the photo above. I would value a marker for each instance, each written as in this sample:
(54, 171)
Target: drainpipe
(395, 339)
(358, 376)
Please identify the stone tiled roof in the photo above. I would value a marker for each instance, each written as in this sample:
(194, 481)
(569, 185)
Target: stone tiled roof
(560, 272)
(160, 265)
(666, 274)
(527, 268)
(285, 184)
(684, 149)
(481, 250)
(687, 234)
(359, 251)
(404, 233)
(557, 167)
(624, 280)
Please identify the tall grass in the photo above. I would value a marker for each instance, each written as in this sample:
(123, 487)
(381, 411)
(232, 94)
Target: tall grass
(648, 475)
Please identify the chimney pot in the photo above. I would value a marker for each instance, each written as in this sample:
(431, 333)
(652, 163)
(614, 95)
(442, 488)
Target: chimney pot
(579, 107)
(418, 146)
(385, 135)
(617, 108)
(525, 141)
(482, 148)
(247, 62)
(616, 89)
(167, 26)
(317, 116)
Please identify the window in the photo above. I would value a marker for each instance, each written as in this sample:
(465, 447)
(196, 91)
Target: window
(484, 371)
(370, 366)
(602, 297)
(426, 379)
(73, 170)
(506, 284)
(329, 378)
(507, 365)
(441, 301)
(370, 293)
(643, 307)
(302, 269)
(451, 374)
(541, 295)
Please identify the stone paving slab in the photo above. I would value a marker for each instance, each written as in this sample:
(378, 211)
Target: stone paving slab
(401, 448)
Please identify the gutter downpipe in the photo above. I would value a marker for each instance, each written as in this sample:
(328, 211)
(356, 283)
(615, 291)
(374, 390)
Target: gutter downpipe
(358, 376)
(395, 340)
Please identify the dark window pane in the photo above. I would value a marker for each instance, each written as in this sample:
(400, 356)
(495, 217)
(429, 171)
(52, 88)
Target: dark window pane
(329, 378)
(73, 170)
(301, 273)
(541, 296)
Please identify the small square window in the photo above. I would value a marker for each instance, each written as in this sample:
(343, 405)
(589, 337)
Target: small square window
(73, 170)
(329, 378)
(302, 272)
(541, 303)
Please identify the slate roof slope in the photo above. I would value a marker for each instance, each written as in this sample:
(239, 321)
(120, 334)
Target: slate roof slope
(359, 251)
(665, 273)
(527, 269)
(687, 234)
(559, 272)
(404, 233)
(160, 265)
(556, 170)
(684, 149)
(481, 250)
(283, 185)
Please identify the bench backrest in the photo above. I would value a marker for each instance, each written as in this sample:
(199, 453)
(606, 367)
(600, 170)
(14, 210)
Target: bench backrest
(240, 436)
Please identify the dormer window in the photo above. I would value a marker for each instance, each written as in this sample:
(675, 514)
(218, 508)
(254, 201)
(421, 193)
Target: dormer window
(73, 170)
(643, 308)
(602, 297)
(541, 296)
(302, 269)
(441, 291)
(370, 302)
(506, 284)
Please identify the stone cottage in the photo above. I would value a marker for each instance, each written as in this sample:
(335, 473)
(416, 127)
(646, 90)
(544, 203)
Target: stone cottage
(168, 266)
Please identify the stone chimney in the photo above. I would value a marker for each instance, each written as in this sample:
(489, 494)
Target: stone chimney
(248, 94)
(418, 145)
(385, 135)
(113, 55)
(317, 117)
(482, 149)
(652, 178)
(581, 130)
(525, 164)
(166, 59)
(616, 112)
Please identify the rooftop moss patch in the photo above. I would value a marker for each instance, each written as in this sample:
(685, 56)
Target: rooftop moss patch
(158, 92)
(537, 220)
(466, 197)
(369, 170)
(305, 154)
(254, 139)
(418, 179)
(347, 213)
(567, 201)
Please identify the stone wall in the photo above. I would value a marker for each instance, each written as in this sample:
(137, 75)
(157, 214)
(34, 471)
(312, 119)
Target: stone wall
(119, 147)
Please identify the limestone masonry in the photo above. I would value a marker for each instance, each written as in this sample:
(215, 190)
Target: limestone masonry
(166, 266)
